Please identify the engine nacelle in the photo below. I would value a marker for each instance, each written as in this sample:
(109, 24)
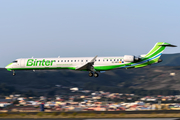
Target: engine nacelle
(130, 58)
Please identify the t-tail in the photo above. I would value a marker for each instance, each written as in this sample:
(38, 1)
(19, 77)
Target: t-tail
(156, 52)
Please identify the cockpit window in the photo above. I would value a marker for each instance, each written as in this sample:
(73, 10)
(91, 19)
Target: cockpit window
(15, 61)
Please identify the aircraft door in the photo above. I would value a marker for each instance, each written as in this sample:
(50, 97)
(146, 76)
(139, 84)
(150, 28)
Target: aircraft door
(22, 63)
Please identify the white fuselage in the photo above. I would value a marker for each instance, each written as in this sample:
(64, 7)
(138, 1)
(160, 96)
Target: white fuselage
(67, 63)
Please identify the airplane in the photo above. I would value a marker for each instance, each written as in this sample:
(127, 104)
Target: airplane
(92, 64)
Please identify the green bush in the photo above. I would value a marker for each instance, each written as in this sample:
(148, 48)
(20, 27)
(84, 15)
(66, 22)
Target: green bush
(92, 114)
(55, 114)
(47, 113)
(40, 114)
(122, 114)
(22, 114)
(102, 114)
(74, 114)
(63, 114)
(83, 114)
(3, 114)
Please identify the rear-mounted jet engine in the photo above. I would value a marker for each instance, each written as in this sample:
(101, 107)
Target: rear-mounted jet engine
(131, 58)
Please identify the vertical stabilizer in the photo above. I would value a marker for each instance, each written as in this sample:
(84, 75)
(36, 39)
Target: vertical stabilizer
(157, 50)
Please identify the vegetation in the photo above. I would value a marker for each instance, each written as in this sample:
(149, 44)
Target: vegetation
(6, 90)
(89, 115)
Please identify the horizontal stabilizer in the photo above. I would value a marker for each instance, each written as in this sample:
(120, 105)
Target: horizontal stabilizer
(167, 45)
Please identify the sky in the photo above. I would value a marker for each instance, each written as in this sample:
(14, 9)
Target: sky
(86, 28)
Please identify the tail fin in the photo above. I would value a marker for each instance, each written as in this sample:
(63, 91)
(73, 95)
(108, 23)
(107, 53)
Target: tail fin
(157, 50)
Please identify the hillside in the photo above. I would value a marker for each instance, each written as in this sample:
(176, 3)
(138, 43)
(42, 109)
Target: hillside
(155, 77)
(170, 60)
(149, 78)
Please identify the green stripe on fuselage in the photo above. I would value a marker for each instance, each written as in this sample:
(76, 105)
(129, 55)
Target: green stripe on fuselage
(44, 68)
(104, 68)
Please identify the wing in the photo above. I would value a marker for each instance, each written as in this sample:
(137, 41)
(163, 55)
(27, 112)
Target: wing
(88, 66)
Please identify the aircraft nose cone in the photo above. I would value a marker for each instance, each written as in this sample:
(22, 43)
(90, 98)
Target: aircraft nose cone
(8, 67)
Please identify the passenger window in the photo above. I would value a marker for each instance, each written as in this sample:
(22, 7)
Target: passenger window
(74, 60)
(71, 60)
(86, 60)
(117, 59)
(64, 60)
(61, 60)
(107, 59)
(110, 59)
(99, 60)
(81, 60)
(114, 59)
(67, 60)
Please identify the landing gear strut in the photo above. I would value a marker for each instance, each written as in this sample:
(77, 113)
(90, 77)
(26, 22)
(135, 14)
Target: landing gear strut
(14, 73)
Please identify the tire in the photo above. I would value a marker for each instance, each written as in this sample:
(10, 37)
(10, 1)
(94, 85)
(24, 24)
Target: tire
(96, 74)
(90, 74)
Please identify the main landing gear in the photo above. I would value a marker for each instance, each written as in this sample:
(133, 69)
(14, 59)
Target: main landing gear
(95, 74)
(14, 73)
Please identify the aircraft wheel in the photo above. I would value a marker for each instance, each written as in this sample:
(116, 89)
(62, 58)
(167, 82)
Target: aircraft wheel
(96, 74)
(90, 74)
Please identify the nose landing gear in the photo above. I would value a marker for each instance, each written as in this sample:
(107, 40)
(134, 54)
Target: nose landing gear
(14, 73)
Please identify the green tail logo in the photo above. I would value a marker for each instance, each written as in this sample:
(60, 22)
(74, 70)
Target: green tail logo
(157, 50)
